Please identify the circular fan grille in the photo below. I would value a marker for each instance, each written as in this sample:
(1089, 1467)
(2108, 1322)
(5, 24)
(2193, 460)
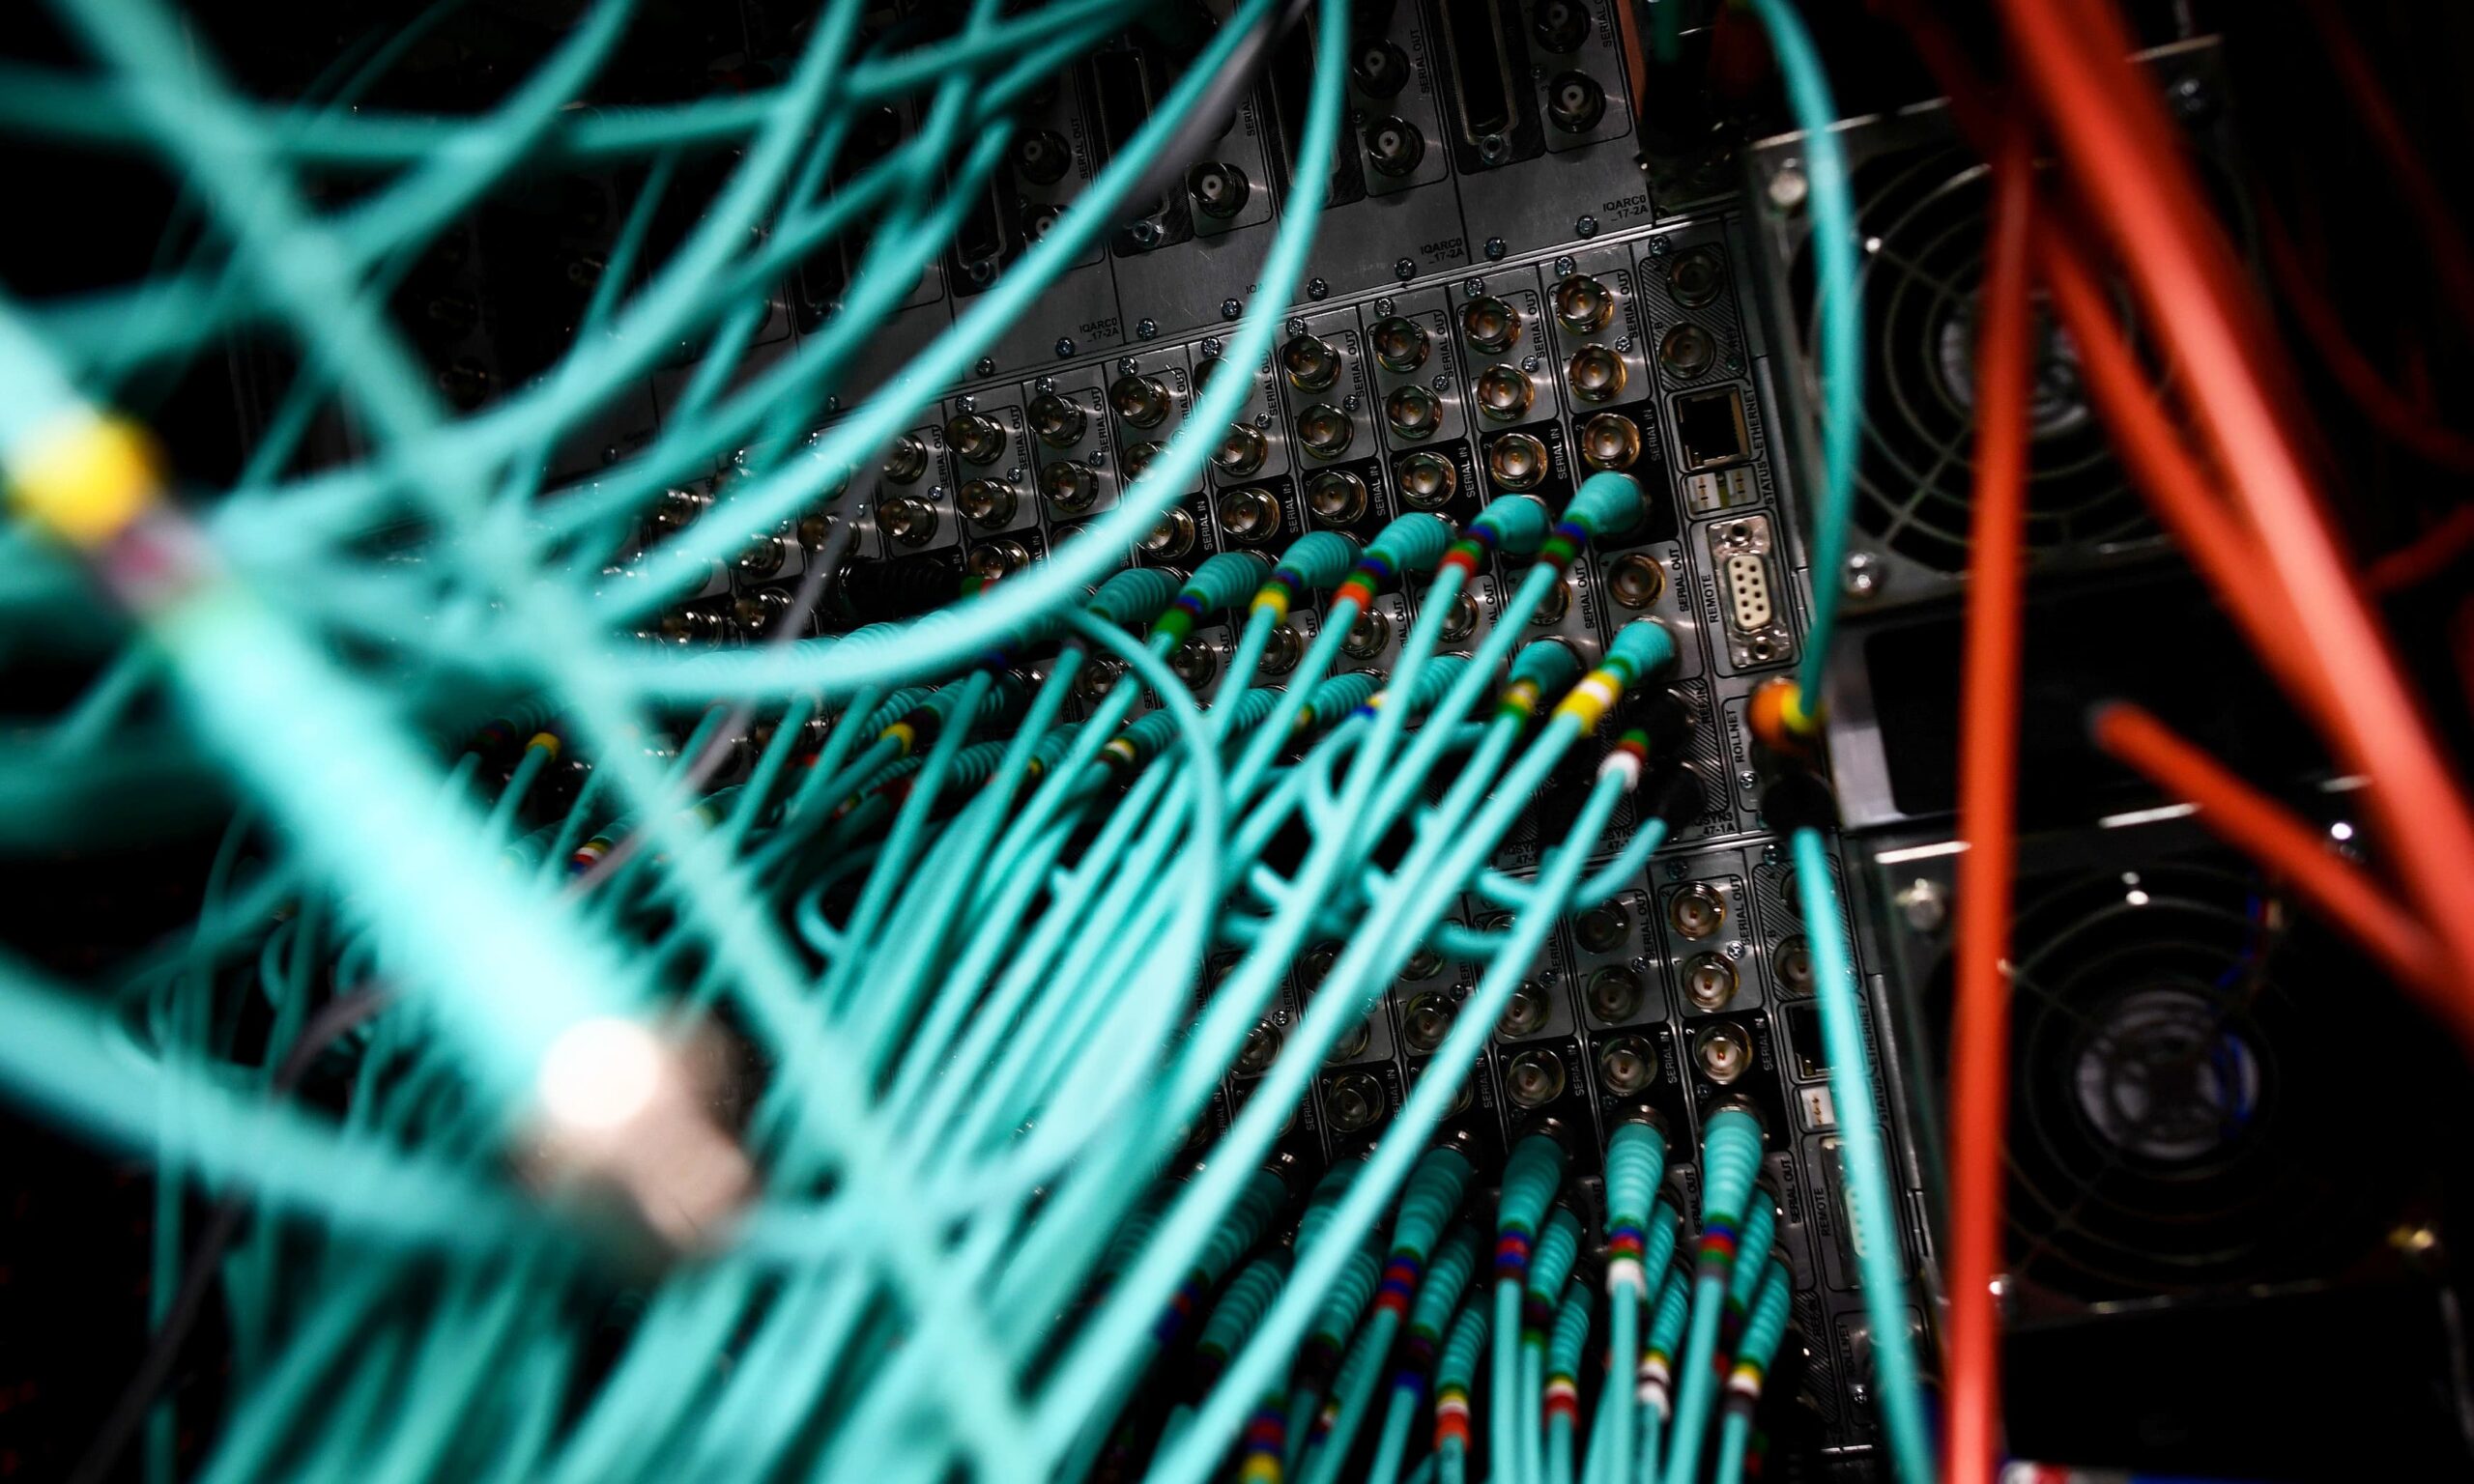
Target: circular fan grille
(2188, 1108)
(1921, 214)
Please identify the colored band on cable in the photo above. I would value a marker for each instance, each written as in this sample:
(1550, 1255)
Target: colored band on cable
(1399, 1287)
(1564, 545)
(1655, 1375)
(1718, 1245)
(1278, 593)
(86, 478)
(1450, 1417)
(1590, 700)
(1266, 1442)
(1511, 1255)
(1563, 1397)
(1185, 611)
(548, 742)
(587, 855)
(1370, 575)
(1520, 701)
(1179, 1308)
(1536, 1317)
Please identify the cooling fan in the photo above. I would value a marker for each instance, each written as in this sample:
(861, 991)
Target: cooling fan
(2189, 1105)
(1922, 197)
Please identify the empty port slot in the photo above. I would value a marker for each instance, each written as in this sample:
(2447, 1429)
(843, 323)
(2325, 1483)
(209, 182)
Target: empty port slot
(1710, 427)
(1804, 1028)
(1121, 85)
(1478, 48)
(1748, 602)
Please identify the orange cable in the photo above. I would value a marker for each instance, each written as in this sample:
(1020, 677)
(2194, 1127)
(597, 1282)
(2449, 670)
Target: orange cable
(2269, 834)
(1987, 804)
(2115, 135)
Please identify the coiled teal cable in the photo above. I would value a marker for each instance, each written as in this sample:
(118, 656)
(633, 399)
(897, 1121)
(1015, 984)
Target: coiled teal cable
(1562, 1394)
(1761, 1336)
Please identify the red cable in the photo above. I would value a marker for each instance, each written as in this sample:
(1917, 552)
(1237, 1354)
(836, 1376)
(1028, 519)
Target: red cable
(2426, 557)
(2116, 136)
(2266, 832)
(1988, 803)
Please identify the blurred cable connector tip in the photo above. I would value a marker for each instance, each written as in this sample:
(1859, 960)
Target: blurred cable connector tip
(624, 1125)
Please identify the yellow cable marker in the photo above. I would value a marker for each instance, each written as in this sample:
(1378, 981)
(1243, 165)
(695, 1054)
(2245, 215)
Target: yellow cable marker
(85, 478)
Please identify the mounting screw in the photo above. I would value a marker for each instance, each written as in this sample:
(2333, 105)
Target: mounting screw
(1404, 270)
(1788, 189)
(1146, 330)
(1349, 403)
(2190, 97)
(1924, 904)
(1044, 384)
(1443, 380)
(1296, 325)
(1735, 363)
(1211, 344)
(987, 365)
(1586, 227)
(833, 404)
(1316, 288)
(1383, 305)
(1659, 247)
(1529, 363)
(1769, 855)
(1564, 266)
(1495, 250)
(1230, 309)
(968, 403)
(1145, 233)
(1064, 349)
(1863, 576)
(1471, 288)
(1623, 345)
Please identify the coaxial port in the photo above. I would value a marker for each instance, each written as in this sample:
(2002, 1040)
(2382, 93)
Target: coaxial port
(1559, 25)
(1635, 580)
(1069, 488)
(1059, 422)
(908, 458)
(1576, 102)
(1249, 516)
(986, 503)
(1353, 1045)
(1601, 928)
(1518, 461)
(1353, 1101)
(993, 559)
(1695, 278)
(1687, 351)
(1552, 608)
(678, 509)
(1395, 146)
(1281, 651)
(764, 555)
(1615, 994)
(1627, 1066)
(1460, 619)
(1794, 964)
(1097, 677)
(1534, 1078)
(1425, 963)
(906, 519)
(1413, 412)
(1490, 324)
(1172, 538)
(1324, 431)
(1043, 157)
(1196, 663)
(1723, 1052)
(1596, 374)
(1610, 440)
(1367, 634)
(1380, 70)
(1697, 911)
(1261, 1049)
(1525, 1014)
(1400, 343)
(816, 528)
(1204, 370)
(1241, 450)
(756, 612)
(1426, 481)
(1504, 392)
(1584, 304)
(1336, 496)
(974, 437)
(1221, 190)
(690, 626)
(1309, 362)
(1140, 400)
(1425, 1020)
(1137, 460)
(1709, 981)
